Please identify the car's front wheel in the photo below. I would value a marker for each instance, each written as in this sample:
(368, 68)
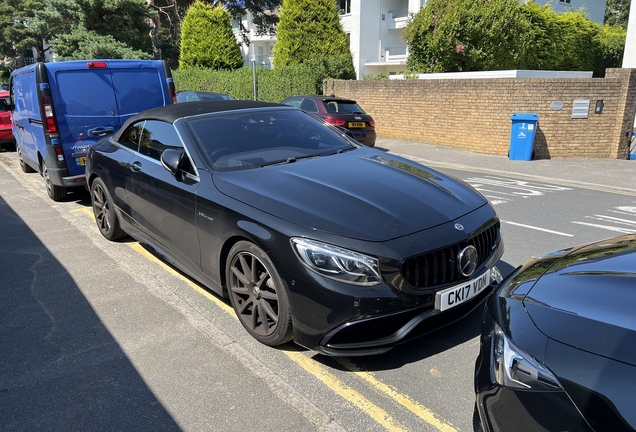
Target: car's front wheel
(257, 294)
(104, 211)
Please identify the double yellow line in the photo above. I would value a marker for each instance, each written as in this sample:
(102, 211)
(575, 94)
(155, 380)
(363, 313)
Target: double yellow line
(321, 373)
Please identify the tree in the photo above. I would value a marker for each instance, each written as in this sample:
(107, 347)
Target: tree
(261, 11)
(309, 31)
(207, 39)
(76, 28)
(15, 32)
(87, 44)
(466, 35)
(471, 35)
(617, 13)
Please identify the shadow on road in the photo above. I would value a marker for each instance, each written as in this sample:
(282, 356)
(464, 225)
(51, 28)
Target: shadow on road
(60, 368)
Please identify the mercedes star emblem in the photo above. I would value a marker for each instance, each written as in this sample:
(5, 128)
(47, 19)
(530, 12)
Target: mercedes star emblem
(467, 260)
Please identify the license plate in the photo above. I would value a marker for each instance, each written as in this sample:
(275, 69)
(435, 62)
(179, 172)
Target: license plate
(82, 161)
(454, 296)
(357, 124)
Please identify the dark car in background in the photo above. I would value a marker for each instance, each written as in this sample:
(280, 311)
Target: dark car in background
(256, 201)
(193, 96)
(345, 113)
(558, 343)
(6, 134)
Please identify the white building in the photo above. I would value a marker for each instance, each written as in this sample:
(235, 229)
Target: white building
(374, 29)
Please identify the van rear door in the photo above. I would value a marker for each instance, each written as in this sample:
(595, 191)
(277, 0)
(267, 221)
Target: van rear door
(93, 99)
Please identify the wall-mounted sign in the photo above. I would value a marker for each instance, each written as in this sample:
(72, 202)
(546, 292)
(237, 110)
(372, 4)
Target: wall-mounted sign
(556, 106)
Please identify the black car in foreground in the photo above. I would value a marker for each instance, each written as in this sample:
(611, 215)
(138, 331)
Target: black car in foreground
(345, 249)
(558, 343)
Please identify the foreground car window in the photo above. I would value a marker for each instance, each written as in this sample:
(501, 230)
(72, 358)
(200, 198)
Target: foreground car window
(261, 138)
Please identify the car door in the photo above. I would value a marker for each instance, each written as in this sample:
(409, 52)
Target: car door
(164, 206)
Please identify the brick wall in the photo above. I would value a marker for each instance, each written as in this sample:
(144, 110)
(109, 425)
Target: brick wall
(474, 114)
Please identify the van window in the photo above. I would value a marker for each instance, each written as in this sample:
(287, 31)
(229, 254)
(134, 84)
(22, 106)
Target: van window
(86, 93)
(25, 95)
(130, 137)
(137, 90)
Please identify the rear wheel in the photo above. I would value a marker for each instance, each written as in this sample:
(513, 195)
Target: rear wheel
(25, 167)
(104, 211)
(257, 294)
(56, 193)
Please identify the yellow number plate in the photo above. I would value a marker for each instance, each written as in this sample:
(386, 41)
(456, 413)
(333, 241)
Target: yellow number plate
(356, 124)
(82, 161)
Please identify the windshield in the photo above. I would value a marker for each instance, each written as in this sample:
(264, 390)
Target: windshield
(262, 138)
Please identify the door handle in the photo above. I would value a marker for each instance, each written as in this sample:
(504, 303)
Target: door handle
(136, 166)
(100, 131)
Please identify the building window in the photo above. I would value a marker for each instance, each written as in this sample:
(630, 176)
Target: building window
(564, 1)
(344, 6)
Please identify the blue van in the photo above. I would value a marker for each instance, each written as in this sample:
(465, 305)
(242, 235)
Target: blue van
(60, 109)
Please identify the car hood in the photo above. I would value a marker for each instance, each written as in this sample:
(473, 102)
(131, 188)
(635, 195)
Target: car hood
(363, 194)
(588, 298)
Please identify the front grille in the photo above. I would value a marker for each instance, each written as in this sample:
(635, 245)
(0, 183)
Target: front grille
(439, 267)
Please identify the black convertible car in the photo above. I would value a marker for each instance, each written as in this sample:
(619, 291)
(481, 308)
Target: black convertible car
(558, 343)
(345, 249)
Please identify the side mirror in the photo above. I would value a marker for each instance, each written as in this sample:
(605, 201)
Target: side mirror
(4, 106)
(171, 160)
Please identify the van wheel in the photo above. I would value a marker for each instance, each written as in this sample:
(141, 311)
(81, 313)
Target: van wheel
(56, 193)
(23, 165)
(104, 211)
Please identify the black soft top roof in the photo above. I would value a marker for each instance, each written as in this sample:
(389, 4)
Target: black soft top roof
(171, 113)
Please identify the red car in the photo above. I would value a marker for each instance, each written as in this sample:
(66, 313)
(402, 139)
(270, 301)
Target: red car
(345, 113)
(6, 135)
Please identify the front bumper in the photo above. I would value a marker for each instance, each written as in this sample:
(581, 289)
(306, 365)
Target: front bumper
(337, 318)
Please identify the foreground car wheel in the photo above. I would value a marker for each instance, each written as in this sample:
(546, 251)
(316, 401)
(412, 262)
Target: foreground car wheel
(257, 294)
(104, 211)
(56, 193)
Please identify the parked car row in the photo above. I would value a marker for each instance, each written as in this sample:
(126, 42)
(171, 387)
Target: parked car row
(342, 248)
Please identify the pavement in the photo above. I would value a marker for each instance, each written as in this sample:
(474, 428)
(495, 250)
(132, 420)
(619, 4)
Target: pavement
(613, 174)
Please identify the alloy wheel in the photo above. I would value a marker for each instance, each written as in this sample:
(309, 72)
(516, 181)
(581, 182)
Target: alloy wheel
(101, 209)
(254, 294)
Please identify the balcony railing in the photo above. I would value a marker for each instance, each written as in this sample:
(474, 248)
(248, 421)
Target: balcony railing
(399, 13)
(395, 53)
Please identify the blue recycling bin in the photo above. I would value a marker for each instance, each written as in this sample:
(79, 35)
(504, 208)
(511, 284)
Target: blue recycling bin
(524, 128)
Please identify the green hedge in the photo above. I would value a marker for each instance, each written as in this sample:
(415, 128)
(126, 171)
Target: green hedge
(273, 85)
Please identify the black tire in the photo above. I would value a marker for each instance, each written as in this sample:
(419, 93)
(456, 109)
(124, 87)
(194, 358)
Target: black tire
(477, 426)
(258, 295)
(25, 167)
(56, 193)
(104, 211)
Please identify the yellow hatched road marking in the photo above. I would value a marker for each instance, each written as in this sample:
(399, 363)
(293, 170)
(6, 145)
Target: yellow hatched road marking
(314, 368)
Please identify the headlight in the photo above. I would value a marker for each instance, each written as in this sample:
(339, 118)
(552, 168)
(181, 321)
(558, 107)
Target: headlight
(337, 263)
(514, 368)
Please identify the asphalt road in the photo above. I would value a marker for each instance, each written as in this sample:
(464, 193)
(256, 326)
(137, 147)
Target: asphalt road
(98, 335)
